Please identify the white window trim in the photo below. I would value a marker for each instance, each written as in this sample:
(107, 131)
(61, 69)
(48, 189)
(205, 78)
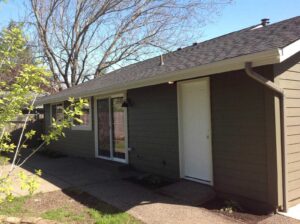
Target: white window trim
(111, 158)
(51, 112)
(87, 127)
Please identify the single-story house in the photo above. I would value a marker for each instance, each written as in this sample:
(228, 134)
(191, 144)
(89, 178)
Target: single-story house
(224, 112)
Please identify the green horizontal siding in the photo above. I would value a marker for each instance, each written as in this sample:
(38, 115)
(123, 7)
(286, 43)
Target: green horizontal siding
(76, 143)
(239, 136)
(153, 129)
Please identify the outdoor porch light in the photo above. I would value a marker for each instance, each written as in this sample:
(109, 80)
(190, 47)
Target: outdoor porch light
(126, 103)
(171, 82)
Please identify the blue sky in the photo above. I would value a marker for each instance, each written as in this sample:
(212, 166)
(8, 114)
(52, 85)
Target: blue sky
(238, 15)
(244, 13)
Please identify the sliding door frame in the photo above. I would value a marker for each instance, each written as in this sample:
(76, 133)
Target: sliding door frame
(112, 158)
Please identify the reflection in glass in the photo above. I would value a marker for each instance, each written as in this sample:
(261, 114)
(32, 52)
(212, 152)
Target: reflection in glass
(58, 112)
(118, 124)
(103, 128)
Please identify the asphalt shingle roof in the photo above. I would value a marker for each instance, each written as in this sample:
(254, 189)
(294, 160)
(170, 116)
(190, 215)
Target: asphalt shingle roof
(235, 44)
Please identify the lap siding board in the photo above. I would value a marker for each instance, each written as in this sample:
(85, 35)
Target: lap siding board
(243, 137)
(288, 78)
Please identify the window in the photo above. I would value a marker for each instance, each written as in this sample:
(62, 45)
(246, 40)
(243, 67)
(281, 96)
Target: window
(58, 112)
(85, 118)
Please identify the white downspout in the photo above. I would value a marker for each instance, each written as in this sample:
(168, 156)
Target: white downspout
(271, 85)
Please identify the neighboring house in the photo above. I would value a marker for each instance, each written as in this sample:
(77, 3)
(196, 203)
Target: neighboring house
(224, 112)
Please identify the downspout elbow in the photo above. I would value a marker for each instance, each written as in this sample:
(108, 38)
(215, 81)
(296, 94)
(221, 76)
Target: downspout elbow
(259, 78)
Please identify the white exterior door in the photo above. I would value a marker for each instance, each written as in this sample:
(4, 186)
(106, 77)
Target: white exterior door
(195, 130)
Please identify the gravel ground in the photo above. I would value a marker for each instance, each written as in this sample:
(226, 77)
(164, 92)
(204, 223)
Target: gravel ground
(279, 219)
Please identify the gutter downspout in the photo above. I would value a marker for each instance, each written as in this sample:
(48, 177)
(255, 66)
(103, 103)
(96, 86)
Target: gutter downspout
(271, 85)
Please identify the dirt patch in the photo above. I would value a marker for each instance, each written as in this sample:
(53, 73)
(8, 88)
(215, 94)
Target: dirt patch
(69, 206)
(57, 199)
(233, 210)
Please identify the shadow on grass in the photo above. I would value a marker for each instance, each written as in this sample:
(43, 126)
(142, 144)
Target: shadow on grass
(91, 201)
(67, 206)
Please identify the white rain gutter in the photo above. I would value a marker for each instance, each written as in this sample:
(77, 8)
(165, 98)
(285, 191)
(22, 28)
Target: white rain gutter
(271, 85)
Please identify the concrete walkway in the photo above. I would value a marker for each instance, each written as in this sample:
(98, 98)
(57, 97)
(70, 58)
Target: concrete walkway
(105, 181)
(150, 207)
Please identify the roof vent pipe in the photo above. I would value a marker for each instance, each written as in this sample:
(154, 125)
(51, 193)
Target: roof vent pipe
(265, 22)
(162, 60)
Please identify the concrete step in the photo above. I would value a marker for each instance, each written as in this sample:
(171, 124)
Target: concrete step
(191, 193)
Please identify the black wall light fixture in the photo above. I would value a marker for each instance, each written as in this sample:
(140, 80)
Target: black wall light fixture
(126, 103)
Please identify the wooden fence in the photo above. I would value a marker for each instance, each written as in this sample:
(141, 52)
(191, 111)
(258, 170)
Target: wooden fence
(35, 122)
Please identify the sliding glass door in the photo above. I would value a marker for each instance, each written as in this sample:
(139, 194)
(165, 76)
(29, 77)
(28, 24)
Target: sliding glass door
(111, 128)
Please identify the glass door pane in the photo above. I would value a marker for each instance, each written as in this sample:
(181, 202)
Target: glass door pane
(103, 128)
(118, 128)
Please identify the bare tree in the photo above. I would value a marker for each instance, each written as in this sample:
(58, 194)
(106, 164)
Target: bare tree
(88, 37)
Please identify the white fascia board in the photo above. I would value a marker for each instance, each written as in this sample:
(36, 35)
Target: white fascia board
(258, 59)
(289, 50)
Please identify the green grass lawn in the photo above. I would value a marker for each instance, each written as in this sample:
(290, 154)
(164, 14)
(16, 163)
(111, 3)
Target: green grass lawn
(63, 215)
(58, 206)
(13, 208)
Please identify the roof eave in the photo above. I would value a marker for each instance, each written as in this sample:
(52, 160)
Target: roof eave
(272, 56)
(289, 50)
